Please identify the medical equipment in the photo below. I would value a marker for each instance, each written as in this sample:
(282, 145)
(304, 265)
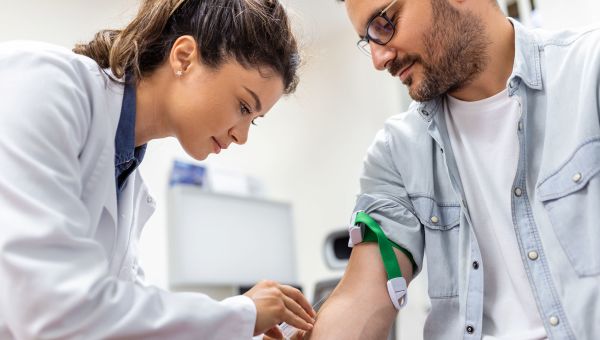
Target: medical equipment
(335, 249)
(257, 234)
(396, 284)
(187, 173)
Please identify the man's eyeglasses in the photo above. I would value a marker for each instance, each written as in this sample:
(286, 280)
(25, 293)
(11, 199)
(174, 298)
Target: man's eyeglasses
(380, 30)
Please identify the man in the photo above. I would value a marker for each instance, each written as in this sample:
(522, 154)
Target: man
(493, 173)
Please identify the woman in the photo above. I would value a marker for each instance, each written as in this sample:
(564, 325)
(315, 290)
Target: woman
(74, 127)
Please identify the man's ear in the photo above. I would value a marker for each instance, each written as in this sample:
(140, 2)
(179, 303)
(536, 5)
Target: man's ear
(183, 55)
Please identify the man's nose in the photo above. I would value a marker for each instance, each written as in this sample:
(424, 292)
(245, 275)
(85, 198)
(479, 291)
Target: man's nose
(381, 55)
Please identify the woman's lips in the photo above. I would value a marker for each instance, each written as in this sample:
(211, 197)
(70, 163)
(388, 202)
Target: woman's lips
(216, 146)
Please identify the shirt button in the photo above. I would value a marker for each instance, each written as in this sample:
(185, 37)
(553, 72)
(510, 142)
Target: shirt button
(149, 200)
(520, 126)
(577, 177)
(470, 329)
(553, 320)
(475, 265)
(435, 219)
(533, 255)
(518, 192)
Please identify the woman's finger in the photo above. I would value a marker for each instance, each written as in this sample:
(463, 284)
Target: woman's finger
(296, 321)
(295, 308)
(299, 335)
(299, 298)
(274, 333)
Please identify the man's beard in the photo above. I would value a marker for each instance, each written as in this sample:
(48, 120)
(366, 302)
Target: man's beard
(456, 52)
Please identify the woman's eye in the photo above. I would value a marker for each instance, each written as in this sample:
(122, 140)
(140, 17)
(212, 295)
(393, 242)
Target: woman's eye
(244, 109)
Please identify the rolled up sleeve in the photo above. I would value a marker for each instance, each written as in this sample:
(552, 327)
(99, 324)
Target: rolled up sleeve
(384, 197)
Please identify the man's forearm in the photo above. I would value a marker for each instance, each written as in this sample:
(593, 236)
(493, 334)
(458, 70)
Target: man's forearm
(360, 307)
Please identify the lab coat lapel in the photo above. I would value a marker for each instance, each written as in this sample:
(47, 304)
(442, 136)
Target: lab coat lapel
(99, 189)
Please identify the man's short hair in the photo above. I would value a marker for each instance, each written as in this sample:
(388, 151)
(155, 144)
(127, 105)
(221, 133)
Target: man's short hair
(494, 1)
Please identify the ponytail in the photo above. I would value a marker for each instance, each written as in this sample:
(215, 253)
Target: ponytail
(120, 50)
(255, 33)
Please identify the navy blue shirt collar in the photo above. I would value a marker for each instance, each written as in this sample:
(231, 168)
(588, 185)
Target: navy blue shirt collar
(127, 156)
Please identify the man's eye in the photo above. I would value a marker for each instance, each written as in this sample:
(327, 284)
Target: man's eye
(254, 122)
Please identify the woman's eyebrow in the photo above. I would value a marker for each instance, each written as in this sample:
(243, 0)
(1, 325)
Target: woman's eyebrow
(257, 103)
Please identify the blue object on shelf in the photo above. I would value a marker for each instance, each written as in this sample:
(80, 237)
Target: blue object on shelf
(187, 173)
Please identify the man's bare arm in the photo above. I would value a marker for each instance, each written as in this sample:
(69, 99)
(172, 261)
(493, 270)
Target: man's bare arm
(360, 307)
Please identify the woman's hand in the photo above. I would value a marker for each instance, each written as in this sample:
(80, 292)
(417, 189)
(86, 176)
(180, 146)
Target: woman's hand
(298, 335)
(277, 303)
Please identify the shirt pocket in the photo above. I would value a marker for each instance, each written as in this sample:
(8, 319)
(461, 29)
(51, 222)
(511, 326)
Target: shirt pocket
(440, 221)
(571, 196)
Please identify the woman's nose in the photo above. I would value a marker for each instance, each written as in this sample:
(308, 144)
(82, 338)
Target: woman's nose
(239, 133)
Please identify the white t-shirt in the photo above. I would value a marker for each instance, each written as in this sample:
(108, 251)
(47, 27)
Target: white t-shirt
(484, 139)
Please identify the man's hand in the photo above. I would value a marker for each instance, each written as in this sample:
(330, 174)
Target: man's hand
(277, 303)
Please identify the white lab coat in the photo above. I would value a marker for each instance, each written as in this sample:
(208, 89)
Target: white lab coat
(68, 264)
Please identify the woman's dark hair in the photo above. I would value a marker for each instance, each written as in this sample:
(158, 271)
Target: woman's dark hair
(255, 33)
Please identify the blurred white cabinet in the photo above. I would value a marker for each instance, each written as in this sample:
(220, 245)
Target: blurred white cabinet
(220, 240)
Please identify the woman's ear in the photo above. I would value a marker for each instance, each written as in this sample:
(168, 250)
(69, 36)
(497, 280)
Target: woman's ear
(184, 54)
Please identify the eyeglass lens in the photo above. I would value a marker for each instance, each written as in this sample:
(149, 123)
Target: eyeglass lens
(364, 46)
(381, 30)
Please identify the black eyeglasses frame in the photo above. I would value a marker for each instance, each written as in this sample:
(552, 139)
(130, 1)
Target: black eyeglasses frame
(363, 43)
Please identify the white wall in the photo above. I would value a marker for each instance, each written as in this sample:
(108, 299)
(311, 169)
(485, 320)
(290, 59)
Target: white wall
(560, 14)
(62, 22)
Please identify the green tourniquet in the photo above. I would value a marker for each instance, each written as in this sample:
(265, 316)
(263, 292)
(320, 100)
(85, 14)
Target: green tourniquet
(385, 246)
(370, 236)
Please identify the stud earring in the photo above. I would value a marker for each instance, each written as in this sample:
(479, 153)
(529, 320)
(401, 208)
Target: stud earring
(179, 73)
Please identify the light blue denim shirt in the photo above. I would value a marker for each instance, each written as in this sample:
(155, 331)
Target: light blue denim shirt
(411, 185)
